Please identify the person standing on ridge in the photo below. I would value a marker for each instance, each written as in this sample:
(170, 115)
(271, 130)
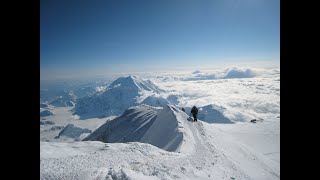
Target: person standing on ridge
(194, 112)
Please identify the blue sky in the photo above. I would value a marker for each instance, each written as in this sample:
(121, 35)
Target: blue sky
(123, 35)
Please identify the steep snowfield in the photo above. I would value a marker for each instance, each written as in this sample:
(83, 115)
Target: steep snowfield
(170, 131)
(119, 95)
(165, 128)
(130, 126)
(207, 153)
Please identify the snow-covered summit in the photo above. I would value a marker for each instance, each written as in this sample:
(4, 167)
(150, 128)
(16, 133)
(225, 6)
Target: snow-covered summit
(119, 95)
(134, 83)
(166, 128)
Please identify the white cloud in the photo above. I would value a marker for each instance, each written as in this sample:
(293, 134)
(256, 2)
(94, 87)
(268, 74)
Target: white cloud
(244, 99)
(239, 73)
(196, 72)
(228, 73)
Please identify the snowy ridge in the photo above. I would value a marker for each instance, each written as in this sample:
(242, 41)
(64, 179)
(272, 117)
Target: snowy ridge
(170, 131)
(135, 83)
(166, 128)
(129, 127)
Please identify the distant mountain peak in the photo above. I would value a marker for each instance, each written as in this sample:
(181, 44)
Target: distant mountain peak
(119, 95)
(135, 83)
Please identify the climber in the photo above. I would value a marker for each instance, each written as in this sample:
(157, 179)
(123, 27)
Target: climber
(194, 112)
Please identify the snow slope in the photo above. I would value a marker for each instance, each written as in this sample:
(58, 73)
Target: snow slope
(170, 131)
(207, 153)
(96, 160)
(253, 148)
(119, 95)
(166, 128)
(130, 126)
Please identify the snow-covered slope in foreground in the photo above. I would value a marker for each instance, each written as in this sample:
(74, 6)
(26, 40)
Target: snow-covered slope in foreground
(171, 131)
(130, 126)
(165, 128)
(208, 152)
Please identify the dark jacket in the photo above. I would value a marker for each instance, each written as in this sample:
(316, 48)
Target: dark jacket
(194, 110)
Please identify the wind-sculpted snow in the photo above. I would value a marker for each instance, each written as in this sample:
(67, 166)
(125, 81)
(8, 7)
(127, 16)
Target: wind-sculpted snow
(170, 130)
(130, 126)
(165, 128)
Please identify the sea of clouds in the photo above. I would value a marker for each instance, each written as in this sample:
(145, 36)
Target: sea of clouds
(245, 93)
